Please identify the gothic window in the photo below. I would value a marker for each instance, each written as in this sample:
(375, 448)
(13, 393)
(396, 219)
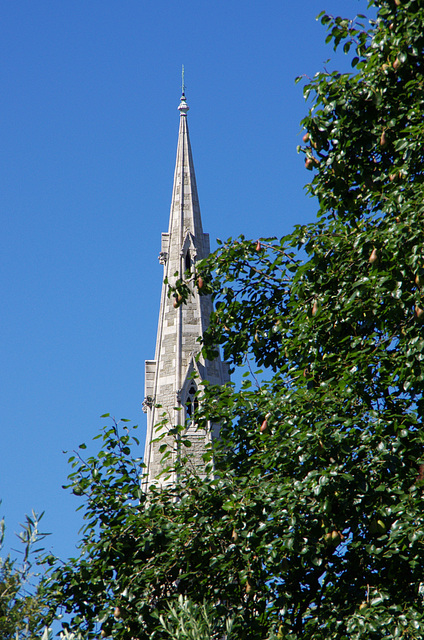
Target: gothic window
(191, 403)
(187, 260)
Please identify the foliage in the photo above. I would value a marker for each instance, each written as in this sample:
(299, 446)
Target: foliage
(187, 621)
(20, 599)
(312, 526)
(63, 635)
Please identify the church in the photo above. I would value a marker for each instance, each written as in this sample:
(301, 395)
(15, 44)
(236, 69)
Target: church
(173, 377)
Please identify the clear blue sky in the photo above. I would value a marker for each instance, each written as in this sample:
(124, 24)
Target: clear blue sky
(89, 121)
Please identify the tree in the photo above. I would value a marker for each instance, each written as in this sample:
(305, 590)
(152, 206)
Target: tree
(21, 606)
(312, 526)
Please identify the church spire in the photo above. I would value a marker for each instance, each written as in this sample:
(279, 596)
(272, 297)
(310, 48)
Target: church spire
(171, 379)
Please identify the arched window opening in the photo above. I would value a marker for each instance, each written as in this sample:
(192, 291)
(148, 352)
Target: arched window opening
(191, 403)
(187, 261)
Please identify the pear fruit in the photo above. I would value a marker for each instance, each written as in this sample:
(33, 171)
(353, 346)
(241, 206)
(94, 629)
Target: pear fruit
(383, 139)
(377, 527)
(333, 538)
(177, 300)
(336, 537)
(373, 257)
(419, 312)
(264, 426)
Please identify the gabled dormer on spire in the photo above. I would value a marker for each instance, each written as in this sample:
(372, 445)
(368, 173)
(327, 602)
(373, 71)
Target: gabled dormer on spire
(172, 378)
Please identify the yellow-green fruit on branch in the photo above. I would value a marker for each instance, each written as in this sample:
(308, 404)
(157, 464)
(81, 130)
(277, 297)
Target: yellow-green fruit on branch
(377, 527)
(333, 538)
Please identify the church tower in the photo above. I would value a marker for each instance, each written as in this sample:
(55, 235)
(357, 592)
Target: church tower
(172, 378)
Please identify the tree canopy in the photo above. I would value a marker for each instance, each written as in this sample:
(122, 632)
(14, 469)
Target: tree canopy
(311, 524)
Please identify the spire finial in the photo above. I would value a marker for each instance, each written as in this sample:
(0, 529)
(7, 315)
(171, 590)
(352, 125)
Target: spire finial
(183, 107)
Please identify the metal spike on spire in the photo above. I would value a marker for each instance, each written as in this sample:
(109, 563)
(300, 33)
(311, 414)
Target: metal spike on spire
(183, 107)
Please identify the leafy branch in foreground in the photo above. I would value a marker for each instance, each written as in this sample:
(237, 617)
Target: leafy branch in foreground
(188, 621)
(21, 609)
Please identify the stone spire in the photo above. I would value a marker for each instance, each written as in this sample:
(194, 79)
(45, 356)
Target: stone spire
(172, 378)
